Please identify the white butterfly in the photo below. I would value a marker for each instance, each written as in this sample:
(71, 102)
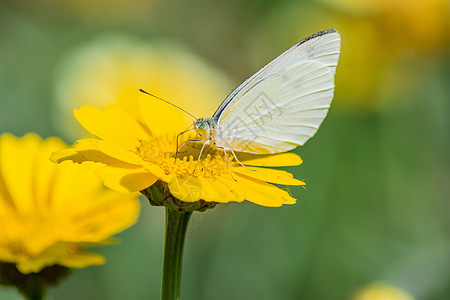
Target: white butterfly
(282, 105)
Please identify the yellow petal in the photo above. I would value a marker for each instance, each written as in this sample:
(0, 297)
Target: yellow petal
(80, 222)
(67, 191)
(162, 118)
(233, 186)
(157, 171)
(126, 180)
(17, 157)
(263, 193)
(102, 151)
(129, 125)
(104, 125)
(82, 260)
(185, 189)
(67, 154)
(269, 175)
(44, 169)
(271, 160)
(48, 257)
(220, 190)
(114, 211)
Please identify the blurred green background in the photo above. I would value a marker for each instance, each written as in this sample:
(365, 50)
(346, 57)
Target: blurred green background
(375, 208)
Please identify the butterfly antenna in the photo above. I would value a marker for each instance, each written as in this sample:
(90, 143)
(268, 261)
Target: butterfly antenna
(166, 102)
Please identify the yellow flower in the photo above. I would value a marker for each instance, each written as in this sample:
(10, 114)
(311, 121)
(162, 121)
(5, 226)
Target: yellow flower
(49, 213)
(138, 152)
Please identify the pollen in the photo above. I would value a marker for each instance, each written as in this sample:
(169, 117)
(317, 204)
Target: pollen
(160, 151)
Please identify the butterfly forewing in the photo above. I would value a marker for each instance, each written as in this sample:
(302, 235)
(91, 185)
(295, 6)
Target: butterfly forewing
(284, 103)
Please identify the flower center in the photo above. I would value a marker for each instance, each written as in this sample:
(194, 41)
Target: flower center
(160, 151)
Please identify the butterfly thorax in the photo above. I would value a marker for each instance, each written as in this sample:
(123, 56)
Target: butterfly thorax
(207, 128)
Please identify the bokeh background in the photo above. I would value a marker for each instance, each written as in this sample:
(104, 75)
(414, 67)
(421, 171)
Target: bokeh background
(374, 218)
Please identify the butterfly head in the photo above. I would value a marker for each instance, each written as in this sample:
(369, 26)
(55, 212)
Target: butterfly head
(201, 125)
(205, 126)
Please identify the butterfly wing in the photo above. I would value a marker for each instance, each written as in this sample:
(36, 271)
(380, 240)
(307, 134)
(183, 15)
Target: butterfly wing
(282, 105)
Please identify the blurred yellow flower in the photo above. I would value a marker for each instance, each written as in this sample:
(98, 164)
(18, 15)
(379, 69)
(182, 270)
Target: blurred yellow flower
(397, 22)
(49, 213)
(112, 68)
(384, 43)
(138, 152)
(382, 291)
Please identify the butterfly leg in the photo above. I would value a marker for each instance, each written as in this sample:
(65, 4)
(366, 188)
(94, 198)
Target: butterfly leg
(189, 140)
(203, 147)
(226, 159)
(235, 157)
(201, 151)
(178, 136)
(178, 149)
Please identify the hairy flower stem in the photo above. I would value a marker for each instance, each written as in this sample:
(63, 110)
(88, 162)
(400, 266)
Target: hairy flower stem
(176, 225)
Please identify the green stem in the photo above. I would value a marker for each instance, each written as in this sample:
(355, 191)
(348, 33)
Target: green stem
(176, 225)
(34, 288)
(35, 296)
